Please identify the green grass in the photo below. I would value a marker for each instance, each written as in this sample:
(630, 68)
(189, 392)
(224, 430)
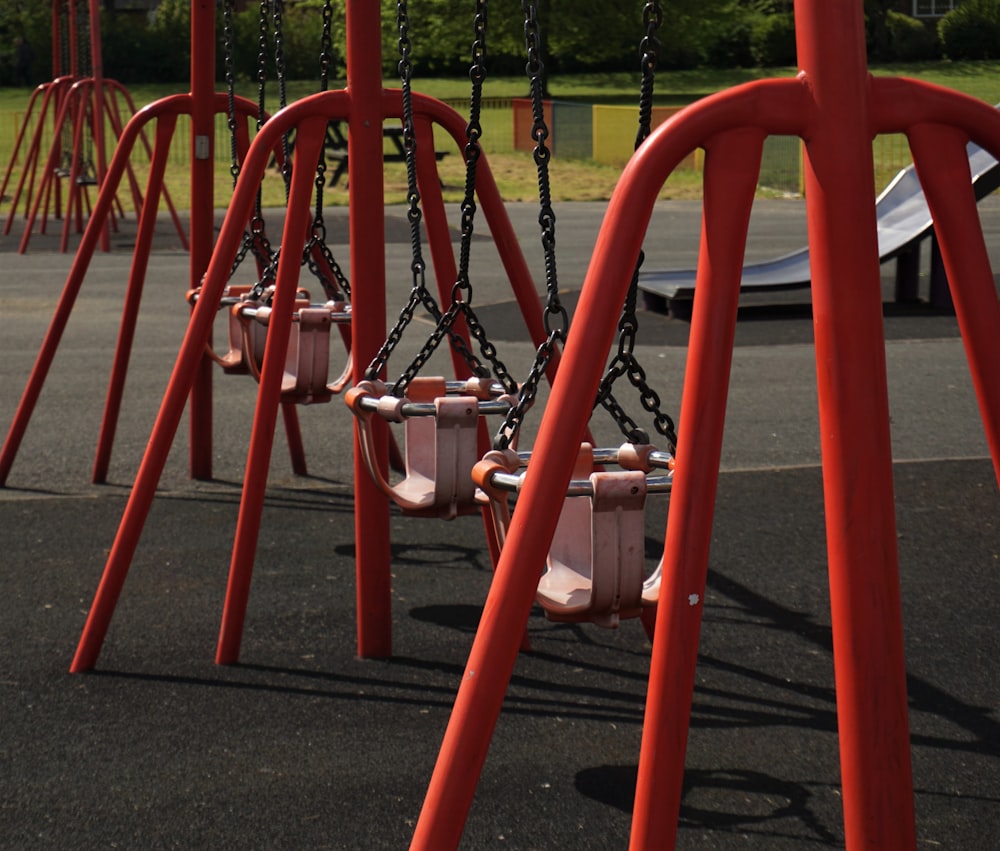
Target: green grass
(515, 172)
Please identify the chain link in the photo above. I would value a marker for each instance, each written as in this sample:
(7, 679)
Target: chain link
(230, 71)
(625, 362)
(331, 277)
(461, 293)
(649, 49)
(262, 35)
(326, 46)
(280, 73)
(554, 315)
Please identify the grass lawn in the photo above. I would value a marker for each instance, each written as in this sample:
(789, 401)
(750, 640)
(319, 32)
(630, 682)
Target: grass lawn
(572, 179)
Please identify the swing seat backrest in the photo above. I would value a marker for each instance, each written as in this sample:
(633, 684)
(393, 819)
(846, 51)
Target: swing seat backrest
(596, 563)
(307, 359)
(246, 340)
(441, 450)
(440, 453)
(234, 361)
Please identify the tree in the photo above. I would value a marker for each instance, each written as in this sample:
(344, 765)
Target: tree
(30, 22)
(877, 28)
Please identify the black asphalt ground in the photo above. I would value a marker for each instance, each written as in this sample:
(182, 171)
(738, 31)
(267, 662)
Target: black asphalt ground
(302, 745)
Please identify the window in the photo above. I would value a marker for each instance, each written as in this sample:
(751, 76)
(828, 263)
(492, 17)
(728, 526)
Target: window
(933, 8)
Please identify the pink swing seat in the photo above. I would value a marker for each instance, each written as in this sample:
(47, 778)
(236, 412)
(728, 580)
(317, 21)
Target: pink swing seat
(305, 380)
(441, 439)
(595, 569)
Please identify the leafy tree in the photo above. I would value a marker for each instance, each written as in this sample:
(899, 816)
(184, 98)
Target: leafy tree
(972, 30)
(877, 28)
(29, 21)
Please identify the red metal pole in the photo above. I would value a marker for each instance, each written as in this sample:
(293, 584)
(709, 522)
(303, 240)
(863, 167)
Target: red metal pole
(133, 296)
(731, 168)
(367, 235)
(202, 215)
(71, 289)
(97, 107)
(943, 167)
(854, 430)
(165, 427)
(309, 142)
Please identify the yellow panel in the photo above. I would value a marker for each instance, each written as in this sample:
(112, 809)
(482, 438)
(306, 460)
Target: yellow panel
(615, 128)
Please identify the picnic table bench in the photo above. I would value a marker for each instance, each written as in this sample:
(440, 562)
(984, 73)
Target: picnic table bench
(336, 147)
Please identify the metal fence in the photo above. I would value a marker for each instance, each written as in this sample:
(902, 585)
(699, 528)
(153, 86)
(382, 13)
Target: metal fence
(781, 168)
(11, 124)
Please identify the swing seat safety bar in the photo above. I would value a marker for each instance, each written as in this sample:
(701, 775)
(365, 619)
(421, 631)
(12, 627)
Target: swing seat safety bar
(441, 438)
(596, 577)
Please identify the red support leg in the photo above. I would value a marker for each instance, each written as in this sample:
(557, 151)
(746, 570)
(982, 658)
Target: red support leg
(202, 218)
(854, 431)
(939, 154)
(165, 428)
(71, 289)
(731, 165)
(367, 238)
(133, 295)
(308, 143)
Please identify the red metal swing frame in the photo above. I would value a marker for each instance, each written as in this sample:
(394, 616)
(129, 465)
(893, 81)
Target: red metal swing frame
(83, 105)
(836, 107)
(365, 105)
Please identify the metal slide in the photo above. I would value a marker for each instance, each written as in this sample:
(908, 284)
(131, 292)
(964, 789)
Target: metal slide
(903, 221)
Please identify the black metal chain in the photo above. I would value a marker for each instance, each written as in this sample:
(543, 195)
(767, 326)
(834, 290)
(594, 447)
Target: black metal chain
(255, 241)
(554, 314)
(331, 277)
(64, 48)
(325, 58)
(280, 73)
(326, 46)
(414, 214)
(625, 362)
(230, 71)
(83, 28)
(418, 291)
(649, 50)
(461, 293)
(262, 40)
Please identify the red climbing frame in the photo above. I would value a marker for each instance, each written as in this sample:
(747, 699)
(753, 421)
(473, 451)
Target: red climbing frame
(836, 107)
